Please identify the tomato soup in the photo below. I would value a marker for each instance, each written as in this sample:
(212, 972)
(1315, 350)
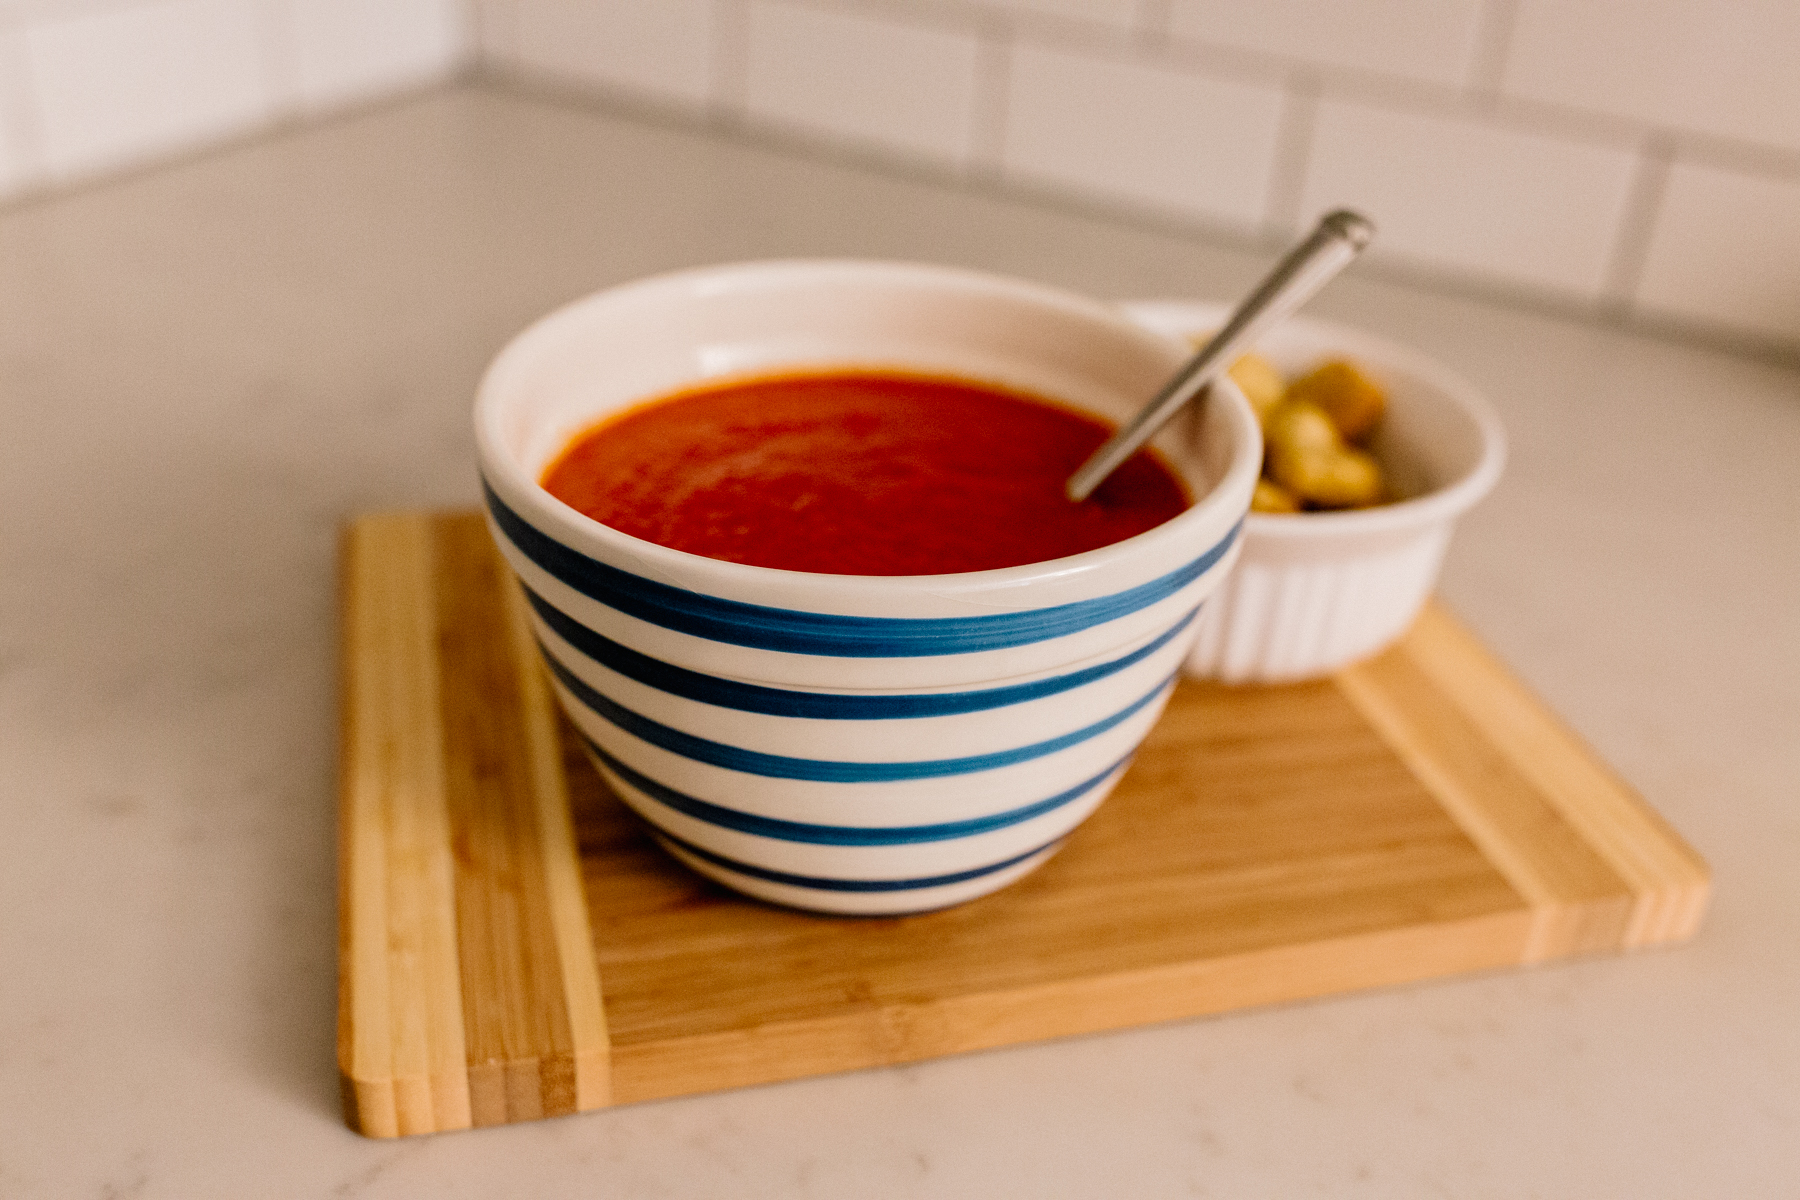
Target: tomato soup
(858, 473)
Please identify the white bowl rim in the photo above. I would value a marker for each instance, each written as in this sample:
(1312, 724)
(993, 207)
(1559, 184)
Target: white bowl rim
(1445, 503)
(547, 510)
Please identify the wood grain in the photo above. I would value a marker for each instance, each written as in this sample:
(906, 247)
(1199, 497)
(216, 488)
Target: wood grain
(400, 1045)
(470, 994)
(1669, 883)
(1416, 816)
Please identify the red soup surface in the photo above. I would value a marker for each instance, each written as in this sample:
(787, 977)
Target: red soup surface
(858, 473)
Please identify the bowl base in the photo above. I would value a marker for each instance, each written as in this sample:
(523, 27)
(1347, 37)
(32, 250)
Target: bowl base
(860, 899)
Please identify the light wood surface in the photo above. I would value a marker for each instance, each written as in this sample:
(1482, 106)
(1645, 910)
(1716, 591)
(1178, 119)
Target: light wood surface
(469, 990)
(1416, 816)
(401, 1044)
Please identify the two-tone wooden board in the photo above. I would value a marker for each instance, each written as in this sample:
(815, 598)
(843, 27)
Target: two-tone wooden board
(512, 945)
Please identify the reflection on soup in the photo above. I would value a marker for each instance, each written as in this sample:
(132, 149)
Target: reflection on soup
(858, 473)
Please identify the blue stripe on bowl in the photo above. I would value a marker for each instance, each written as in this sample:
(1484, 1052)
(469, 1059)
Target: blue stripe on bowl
(791, 631)
(838, 835)
(828, 706)
(824, 884)
(780, 766)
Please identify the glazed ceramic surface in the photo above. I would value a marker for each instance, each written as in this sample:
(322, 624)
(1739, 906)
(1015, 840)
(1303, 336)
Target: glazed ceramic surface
(853, 743)
(1313, 592)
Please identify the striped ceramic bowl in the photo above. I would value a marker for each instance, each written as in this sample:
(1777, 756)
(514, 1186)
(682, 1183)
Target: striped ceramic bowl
(842, 743)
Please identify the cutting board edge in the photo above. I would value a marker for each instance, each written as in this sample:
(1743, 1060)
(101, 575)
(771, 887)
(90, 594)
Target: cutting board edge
(1663, 897)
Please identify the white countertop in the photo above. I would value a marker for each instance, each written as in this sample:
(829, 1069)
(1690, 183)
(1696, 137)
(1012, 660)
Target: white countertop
(205, 368)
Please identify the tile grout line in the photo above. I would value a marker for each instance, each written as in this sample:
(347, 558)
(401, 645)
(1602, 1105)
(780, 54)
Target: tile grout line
(993, 82)
(276, 43)
(1493, 43)
(1630, 249)
(1151, 20)
(1293, 156)
(467, 21)
(1763, 161)
(728, 100)
(493, 34)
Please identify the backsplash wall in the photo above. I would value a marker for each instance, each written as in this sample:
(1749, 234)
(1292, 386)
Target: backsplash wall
(1629, 157)
(1638, 160)
(89, 87)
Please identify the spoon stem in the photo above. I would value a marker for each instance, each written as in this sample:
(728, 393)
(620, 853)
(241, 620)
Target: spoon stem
(1338, 238)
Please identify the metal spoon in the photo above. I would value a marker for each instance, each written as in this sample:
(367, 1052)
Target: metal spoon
(1339, 237)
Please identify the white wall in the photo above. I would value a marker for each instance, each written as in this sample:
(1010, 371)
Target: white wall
(92, 86)
(1636, 157)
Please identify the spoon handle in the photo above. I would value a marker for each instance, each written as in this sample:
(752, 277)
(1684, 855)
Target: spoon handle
(1338, 238)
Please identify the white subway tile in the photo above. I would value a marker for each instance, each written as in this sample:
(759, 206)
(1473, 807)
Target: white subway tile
(1460, 195)
(344, 50)
(121, 85)
(496, 32)
(1120, 14)
(18, 170)
(882, 83)
(1168, 139)
(661, 50)
(1726, 250)
(1431, 40)
(1722, 68)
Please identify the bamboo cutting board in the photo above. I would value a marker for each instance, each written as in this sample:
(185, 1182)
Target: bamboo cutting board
(512, 946)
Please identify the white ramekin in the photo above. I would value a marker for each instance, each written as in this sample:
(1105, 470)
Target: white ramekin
(1313, 592)
(852, 743)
